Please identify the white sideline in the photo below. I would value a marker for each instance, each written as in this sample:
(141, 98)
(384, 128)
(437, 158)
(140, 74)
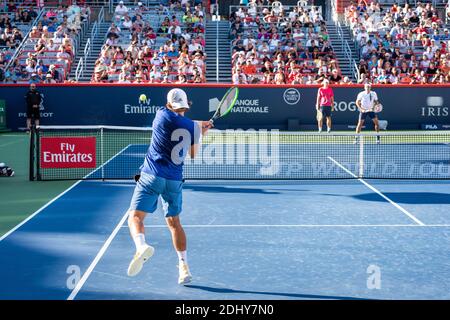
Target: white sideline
(97, 258)
(58, 196)
(420, 223)
(39, 210)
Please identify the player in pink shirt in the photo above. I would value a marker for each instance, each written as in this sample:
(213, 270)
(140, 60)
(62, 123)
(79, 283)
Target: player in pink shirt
(324, 105)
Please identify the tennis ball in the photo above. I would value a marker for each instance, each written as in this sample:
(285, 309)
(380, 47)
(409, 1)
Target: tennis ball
(142, 98)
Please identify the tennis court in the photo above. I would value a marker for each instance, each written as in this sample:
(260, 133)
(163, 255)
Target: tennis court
(249, 238)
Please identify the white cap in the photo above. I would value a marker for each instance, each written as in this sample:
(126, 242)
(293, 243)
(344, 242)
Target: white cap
(177, 99)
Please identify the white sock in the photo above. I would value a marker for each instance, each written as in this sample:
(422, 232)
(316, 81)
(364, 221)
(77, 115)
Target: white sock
(182, 256)
(139, 240)
(328, 129)
(320, 129)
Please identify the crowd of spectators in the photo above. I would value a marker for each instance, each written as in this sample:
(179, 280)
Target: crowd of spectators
(272, 44)
(49, 50)
(400, 44)
(15, 22)
(154, 45)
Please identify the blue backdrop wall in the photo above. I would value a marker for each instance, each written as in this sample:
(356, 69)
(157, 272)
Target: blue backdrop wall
(257, 107)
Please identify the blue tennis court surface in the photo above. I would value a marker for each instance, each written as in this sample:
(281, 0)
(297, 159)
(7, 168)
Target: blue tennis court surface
(246, 240)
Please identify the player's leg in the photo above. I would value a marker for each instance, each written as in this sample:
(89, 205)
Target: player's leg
(136, 226)
(29, 115)
(172, 200)
(377, 126)
(180, 244)
(178, 237)
(326, 112)
(320, 124)
(359, 126)
(37, 116)
(145, 199)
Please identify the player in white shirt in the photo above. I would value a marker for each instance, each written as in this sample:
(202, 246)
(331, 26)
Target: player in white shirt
(366, 102)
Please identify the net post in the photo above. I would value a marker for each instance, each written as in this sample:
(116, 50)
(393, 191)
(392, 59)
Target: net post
(37, 153)
(102, 153)
(32, 155)
(361, 156)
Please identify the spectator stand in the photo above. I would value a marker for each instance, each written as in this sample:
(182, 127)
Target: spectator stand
(47, 52)
(112, 4)
(409, 43)
(16, 20)
(142, 46)
(285, 44)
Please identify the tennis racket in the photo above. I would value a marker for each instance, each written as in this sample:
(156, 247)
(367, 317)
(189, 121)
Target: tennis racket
(378, 108)
(319, 115)
(226, 104)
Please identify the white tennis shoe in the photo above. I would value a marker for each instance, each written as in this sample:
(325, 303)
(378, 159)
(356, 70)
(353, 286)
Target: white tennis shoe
(139, 259)
(185, 276)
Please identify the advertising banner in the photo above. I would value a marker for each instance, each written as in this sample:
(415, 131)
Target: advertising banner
(257, 107)
(68, 152)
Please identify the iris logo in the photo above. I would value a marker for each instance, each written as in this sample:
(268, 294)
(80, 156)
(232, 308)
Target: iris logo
(291, 96)
(435, 108)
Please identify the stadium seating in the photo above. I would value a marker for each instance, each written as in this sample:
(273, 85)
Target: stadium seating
(157, 44)
(400, 44)
(280, 44)
(48, 49)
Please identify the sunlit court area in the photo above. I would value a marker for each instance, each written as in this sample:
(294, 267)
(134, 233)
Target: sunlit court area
(251, 150)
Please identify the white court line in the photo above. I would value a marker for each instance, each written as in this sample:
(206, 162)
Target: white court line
(39, 210)
(300, 226)
(6, 135)
(57, 197)
(8, 144)
(97, 258)
(420, 223)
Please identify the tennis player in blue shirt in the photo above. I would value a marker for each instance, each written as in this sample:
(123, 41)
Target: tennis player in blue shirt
(174, 135)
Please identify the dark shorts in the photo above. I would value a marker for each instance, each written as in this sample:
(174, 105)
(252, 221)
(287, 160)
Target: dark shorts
(364, 115)
(326, 111)
(33, 113)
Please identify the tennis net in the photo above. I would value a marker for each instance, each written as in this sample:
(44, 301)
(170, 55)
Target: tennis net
(107, 152)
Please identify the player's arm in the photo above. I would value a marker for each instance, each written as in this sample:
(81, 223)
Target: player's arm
(318, 99)
(332, 102)
(204, 126)
(358, 103)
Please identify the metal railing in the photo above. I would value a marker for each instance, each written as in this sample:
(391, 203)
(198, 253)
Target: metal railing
(25, 39)
(87, 48)
(94, 30)
(79, 71)
(101, 15)
(346, 49)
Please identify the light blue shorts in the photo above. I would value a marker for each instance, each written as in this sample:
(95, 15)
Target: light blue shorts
(149, 188)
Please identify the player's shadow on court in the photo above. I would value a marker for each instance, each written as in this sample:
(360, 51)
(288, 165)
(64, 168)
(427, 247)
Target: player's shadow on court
(408, 197)
(282, 294)
(217, 189)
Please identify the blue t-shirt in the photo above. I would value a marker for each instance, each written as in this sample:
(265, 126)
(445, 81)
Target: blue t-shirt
(172, 137)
